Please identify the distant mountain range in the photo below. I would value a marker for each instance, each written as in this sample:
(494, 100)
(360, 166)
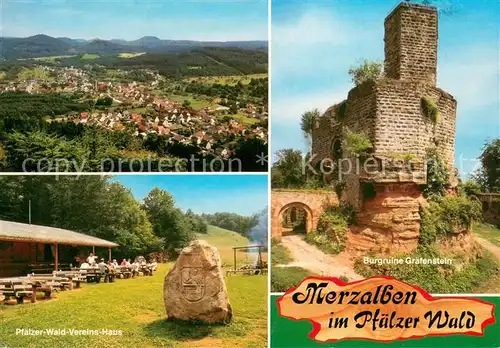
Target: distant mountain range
(43, 45)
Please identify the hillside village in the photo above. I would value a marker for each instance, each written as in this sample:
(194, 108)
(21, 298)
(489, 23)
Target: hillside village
(141, 108)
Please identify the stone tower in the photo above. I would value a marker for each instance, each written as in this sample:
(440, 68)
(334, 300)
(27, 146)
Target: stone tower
(411, 33)
(393, 112)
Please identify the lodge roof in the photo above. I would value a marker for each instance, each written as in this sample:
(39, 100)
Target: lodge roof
(19, 232)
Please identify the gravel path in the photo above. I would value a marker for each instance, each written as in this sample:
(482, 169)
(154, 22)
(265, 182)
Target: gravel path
(311, 258)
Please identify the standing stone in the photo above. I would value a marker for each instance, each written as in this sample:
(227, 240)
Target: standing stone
(194, 290)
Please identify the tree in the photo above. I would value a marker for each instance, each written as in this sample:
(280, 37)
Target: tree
(233, 109)
(287, 171)
(186, 103)
(88, 204)
(168, 222)
(366, 71)
(307, 123)
(488, 175)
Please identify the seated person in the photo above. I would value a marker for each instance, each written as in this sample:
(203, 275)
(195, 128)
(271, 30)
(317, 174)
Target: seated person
(124, 262)
(84, 265)
(115, 263)
(102, 266)
(153, 265)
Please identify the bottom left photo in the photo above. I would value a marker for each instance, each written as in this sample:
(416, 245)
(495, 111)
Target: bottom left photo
(134, 260)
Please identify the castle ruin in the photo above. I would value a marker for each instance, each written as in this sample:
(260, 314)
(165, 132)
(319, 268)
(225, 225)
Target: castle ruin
(393, 113)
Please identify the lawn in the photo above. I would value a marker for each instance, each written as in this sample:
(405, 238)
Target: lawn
(488, 232)
(195, 103)
(225, 240)
(279, 254)
(241, 118)
(89, 56)
(135, 306)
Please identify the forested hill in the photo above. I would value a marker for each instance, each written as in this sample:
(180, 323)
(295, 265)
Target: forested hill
(207, 61)
(44, 46)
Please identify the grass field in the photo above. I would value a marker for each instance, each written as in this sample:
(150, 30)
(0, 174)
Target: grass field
(244, 119)
(225, 241)
(52, 59)
(196, 103)
(488, 232)
(136, 307)
(89, 56)
(226, 80)
(130, 55)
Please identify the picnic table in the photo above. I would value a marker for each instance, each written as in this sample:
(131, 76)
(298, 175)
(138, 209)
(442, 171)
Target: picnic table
(75, 277)
(92, 274)
(124, 271)
(146, 269)
(19, 288)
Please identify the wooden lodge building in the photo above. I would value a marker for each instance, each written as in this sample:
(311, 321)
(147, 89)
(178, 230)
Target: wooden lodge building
(26, 248)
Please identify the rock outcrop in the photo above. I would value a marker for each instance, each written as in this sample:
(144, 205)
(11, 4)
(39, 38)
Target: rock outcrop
(389, 222)
(194, 290)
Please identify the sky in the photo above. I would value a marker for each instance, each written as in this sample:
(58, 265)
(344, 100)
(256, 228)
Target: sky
(205, 193)
(204, 20)
(314, 44)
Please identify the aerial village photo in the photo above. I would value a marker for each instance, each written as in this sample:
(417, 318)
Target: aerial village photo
(386, 143)
(133, 261)
(145, 86)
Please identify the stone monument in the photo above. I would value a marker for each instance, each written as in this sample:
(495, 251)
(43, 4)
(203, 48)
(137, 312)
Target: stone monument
(194, 290)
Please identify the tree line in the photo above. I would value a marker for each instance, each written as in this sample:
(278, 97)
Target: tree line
(101, 207)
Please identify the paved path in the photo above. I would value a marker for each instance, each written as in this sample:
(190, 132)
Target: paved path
(311, 258)
(495, 249)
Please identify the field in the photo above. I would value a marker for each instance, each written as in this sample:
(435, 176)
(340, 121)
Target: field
(196, 103)
(244, 119)
(89, 56)
(225, 241)
(52, 59)
(130, 55)
(226, 80)
(135, 306)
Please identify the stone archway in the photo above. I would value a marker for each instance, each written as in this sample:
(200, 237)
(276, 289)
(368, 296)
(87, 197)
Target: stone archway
(313, 202)
(294, 208)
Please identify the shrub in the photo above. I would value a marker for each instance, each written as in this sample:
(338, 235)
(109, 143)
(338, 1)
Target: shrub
(366, 71)
(430, 109)
(331, 234)
(446, 216)
(358, 143)
(284, 278)
(470, 188)
(457, 213)
(437, 175)
(435, 278)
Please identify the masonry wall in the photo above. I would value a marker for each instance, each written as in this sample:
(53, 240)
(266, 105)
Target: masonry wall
(411, 34)
(403, 128)
(314, 202)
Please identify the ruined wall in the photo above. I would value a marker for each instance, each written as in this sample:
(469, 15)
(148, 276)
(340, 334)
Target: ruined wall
(403, 128)
(313, 201)
(411, 34)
